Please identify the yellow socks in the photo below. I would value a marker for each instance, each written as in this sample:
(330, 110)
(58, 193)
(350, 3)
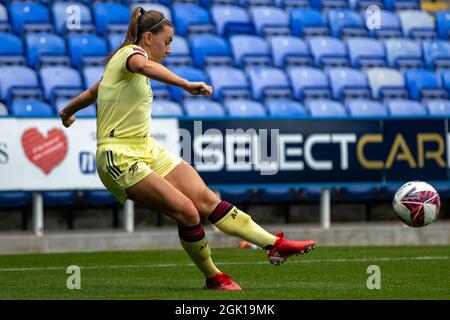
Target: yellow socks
(234, 222)
(195, 243)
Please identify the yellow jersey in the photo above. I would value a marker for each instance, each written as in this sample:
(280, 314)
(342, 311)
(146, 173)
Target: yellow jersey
(124, 99)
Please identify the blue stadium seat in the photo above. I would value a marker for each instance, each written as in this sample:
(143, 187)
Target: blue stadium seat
(46, 49)
(166, 108)
(3, 110)
(328, 52)
(59, 82)
(406, 108)
(14, 199)
(289, 4)
(11, 50)
(285, 108)
(209, 49)
(403, 53)
(436, 53)
(180, 54)
(115, 40)
(308, 83)
(188, 73)
(63, 13)
(4, 20)
(249, 50)
(231, 20)
(443, 24)
(306, 22)
(268, 82)
(365, 53)
(366, 108)
(347, 83)
(329, 4)
(417, 24)
(110, 17)
(345, 23)
(244, 108)
(395, 5)
(386, 83)
(152, 5)
(30, 108)
(29, 16)
(87, 112)
(91, 75)
(359, 5)
(160, 90)
(203, 108)
(251, 3)
(190, 19)
(326, 108)
(445, 78)
(269, 21)
(86, 49)
(288, 51)
(24, 84)
(390, 26)
(424, 85)
(439, 108)
(228, 82)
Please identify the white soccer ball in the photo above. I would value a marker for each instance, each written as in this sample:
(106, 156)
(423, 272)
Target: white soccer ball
(417, 203)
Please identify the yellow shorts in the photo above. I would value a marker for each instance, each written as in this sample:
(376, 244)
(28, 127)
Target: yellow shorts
(121, 163)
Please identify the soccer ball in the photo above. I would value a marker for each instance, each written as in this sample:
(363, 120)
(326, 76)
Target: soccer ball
(417, 203)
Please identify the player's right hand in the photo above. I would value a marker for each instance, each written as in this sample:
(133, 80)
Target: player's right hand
(199, 88)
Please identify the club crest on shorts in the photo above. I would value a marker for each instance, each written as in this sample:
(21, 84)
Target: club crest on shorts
(133, 168)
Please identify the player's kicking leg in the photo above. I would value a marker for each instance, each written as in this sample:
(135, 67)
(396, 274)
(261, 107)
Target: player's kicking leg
(155, 193)
(230, 219)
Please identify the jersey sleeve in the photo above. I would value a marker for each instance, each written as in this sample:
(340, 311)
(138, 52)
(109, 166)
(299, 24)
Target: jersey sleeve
(129, 52)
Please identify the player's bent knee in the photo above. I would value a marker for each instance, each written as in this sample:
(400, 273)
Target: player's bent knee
(208, 202)
(187, 214)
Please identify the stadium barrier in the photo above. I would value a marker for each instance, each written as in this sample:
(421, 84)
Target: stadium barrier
(38, 154)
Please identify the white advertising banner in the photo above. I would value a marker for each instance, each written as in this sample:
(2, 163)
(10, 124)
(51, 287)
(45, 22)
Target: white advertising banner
(42, 155)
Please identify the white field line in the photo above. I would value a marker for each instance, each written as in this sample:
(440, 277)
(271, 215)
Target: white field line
(171, 265)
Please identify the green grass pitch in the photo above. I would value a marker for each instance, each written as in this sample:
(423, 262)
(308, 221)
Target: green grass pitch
(326, 273)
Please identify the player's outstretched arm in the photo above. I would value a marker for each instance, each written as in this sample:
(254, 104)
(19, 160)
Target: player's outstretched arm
(153, 70)
(83, 100)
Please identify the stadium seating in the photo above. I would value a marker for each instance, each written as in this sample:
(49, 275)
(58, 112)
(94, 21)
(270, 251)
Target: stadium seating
(4, 19)
(326, 108)
(209, 49)
(110, 17)
(180, 54)
(443, 24)
(306, 22)
(115, 40)
(188, 73)
(166, 108)
(366, 108)
(403, 53)
(24, 84)
(88, 112)
(231, 20)
(405, 108)
(249, 50)
(401, 4)
(308, 83)
(65, 21)
(445, 77)
(91, 75)
(11, 50)
(59, 198)
(269, 21)
(285, 108)
(439, 107)
(236, 195)
(59, 82)
(29, 17)
(389, 27)
(288, 51)
(244, 108)
(268, 82)
(148, 5)
(160, 90)
(203, 108)
(417, 24)
(14, 199)
(436, 53)
(365, 53)
(328, 52)
(3, 110)
(191, 19)
(46, 49)
(424, 85)
(228, 82)
(86, 49)
(345, 23)
(386, 83)
(30, 108)
(347, 83)
(275, 194)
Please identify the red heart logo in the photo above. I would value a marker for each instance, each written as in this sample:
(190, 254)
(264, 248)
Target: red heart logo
(45, 152)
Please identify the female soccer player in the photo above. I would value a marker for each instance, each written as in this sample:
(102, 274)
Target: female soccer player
(132, 165)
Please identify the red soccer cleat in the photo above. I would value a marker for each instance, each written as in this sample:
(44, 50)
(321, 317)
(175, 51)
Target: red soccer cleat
(284, 248)
(221, 281)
